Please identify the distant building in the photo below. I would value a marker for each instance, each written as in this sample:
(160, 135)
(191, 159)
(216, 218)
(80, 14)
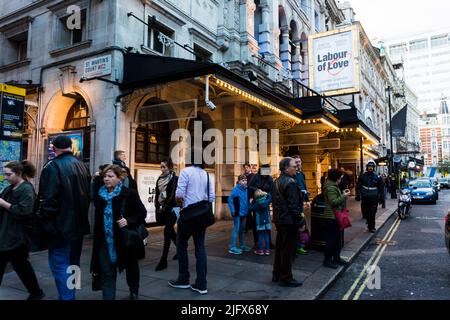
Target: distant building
(426, 59)
(435, 135)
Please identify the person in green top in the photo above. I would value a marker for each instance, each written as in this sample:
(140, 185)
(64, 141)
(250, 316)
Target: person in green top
(16, 209)
(335, 199)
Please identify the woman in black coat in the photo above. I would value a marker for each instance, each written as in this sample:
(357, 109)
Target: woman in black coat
(116, 207)
(165, 201)
(17, 202)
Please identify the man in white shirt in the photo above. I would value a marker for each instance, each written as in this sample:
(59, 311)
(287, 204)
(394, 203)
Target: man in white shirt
(192, 188)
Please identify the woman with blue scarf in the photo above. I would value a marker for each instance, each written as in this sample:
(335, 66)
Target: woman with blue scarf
(116, 207)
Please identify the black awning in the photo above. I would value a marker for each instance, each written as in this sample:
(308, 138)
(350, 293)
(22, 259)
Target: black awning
(311, 106)
(142, 70)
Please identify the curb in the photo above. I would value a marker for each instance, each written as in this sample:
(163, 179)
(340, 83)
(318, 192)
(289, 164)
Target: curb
(382, 220)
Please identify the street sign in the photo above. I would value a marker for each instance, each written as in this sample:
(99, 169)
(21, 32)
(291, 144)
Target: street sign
(98, 67)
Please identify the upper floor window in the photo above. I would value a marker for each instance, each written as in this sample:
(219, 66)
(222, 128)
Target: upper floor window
(202, 54)
(439, 41)
(158, 37)
(418, 45)
(14, 42)
(70, 26)
(72, 33)
(398, 49)
(433, 133)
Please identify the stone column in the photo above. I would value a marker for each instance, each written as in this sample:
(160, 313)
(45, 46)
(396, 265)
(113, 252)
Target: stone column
(249, 45)
(296, 63)
(264, 29)
(285, 48)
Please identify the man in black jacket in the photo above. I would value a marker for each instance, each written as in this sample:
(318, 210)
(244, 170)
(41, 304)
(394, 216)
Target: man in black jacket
(369, 191)
(287, 202)
(119, 159)
(63, 212)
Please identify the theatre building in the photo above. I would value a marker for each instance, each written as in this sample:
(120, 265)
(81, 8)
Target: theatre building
(134, 72)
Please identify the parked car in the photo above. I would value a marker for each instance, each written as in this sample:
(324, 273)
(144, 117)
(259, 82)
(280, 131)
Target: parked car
(423, 191)
(444, 182)
(434, 182)
(447, 231)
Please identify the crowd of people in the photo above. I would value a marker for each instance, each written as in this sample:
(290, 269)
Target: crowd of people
(56, 219)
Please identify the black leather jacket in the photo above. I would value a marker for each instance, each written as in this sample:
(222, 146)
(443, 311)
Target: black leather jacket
(63, 200)
(286, 201)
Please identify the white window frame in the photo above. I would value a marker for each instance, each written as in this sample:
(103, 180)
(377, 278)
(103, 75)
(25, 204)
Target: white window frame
(161, 28)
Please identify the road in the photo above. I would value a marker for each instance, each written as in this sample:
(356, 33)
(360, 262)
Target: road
(407, 260)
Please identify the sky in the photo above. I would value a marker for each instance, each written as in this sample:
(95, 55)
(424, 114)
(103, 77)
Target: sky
(383, 19)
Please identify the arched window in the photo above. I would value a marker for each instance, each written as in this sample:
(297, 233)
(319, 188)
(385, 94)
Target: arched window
(78, 119)
(152, 143)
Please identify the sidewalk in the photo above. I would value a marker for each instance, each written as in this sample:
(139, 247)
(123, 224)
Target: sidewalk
(229, 277)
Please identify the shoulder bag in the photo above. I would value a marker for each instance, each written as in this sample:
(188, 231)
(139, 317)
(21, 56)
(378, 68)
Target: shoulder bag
(132, 237)
(200, 211)
(341, 215)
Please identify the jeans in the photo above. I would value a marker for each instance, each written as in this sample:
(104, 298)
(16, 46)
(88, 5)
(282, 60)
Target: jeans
(238, 230)
(263, 235)
(285, 247)
(59, 262)
(109, 275)
(60, 259)
(22, 266)
(185, 231)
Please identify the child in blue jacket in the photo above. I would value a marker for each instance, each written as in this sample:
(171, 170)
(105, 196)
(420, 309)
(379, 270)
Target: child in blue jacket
(261, 205)
(238, 204)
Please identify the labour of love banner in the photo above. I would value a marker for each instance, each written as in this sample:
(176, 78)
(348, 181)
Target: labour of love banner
(334, 61)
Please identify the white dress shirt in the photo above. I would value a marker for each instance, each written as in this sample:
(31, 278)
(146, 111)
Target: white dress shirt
(192, 186)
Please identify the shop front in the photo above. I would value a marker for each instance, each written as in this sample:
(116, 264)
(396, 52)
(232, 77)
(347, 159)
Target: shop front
(170, 105)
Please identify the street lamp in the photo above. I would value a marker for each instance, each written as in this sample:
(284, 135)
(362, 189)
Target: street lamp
(391, 153)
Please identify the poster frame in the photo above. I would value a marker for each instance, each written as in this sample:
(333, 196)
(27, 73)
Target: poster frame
(357, 67)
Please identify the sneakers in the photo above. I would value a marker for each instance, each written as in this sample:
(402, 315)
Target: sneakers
(179, 284)
(267, 252)
(197, 289)
(259, 252)
(235, 251)
(302, 251)
(245, 248)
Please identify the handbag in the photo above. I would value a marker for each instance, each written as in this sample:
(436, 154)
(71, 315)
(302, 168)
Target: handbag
(200, 212)
(132, 237)
(343, 218)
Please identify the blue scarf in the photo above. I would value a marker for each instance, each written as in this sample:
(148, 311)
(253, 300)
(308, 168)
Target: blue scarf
(108, 222)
